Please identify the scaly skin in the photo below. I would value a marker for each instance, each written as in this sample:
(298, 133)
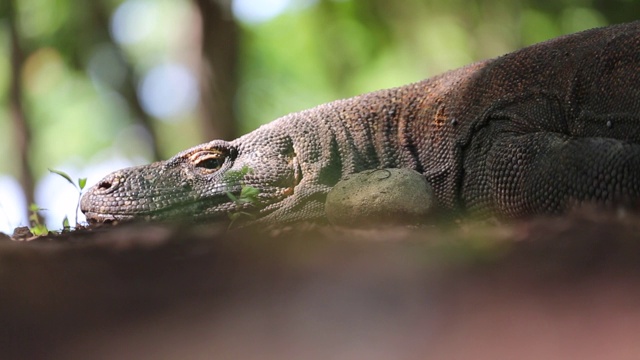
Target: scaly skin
(536, 131)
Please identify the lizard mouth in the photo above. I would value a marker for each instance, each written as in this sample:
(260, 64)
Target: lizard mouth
(211, 209)
(98, 218)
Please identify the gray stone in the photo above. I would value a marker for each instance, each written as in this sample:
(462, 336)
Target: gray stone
(380, 197)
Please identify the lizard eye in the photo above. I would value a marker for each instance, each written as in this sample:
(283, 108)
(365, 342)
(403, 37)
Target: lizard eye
(211, 164)
(208, 160)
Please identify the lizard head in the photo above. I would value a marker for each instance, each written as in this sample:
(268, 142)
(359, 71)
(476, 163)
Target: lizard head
(207, 181)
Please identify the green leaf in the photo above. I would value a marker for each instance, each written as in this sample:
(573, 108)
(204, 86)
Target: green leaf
(249, 194)
(236, 176)
(231, 196)
(82, 182)
(246, 170)
(65, 223)
(64, 175)
(35, 208)
(249, 191)
(39, 230)
(233, 177)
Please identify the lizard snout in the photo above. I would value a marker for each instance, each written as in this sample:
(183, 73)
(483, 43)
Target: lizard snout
(100, 203)
(109, 184)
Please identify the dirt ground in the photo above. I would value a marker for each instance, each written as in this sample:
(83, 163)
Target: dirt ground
(566, 287)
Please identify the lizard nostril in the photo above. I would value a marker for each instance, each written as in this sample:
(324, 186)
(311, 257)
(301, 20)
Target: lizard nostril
(109, 184)
(104, 185)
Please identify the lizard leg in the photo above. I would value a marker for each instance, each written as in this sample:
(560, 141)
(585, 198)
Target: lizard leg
(547, 172)
(307, 203)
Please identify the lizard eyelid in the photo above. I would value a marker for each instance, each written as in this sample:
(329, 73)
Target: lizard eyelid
(208, 160)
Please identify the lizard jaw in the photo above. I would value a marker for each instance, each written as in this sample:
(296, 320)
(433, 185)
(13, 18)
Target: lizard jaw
(98, 218)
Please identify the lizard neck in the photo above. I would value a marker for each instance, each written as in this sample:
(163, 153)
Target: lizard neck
(415, 126)
(383, 129)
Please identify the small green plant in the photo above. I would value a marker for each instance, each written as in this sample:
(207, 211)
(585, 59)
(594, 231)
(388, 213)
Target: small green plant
(237, 176)
(65, 224)
(36, 227)
(82, 182)
(248, 194)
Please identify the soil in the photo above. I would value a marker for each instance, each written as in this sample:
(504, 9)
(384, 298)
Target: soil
(563, 287)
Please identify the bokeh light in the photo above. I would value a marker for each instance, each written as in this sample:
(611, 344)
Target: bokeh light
(11, 199)
(133, 20)
(252, 12)
(168, 90)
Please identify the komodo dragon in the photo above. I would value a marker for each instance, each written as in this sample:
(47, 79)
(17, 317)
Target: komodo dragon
(536, 131)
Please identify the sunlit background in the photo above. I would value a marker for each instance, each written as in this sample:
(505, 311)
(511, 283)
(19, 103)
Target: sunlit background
(104, 84)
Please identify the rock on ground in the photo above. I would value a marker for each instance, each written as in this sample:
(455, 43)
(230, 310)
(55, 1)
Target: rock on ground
(389, 196)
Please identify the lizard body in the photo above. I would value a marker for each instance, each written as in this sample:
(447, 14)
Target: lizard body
(535, 131)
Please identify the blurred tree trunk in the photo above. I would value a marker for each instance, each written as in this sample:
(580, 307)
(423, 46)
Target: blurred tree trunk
(17, 113)
(218, 69)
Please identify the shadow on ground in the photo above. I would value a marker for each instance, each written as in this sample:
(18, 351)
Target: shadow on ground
(547, 288)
